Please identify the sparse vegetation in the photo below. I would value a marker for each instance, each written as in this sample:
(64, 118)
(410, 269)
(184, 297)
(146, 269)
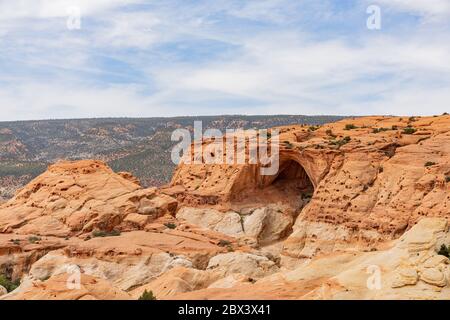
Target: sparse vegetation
(15, 241)
(139, 146)
(8, 284)
(340, 142)
(378, 130)
(394, 127)
(447, 179)
(17, 169)
(170, 225)
(330, 133)
(313, 128)
(429, 163)
(224, 243)
(350, 126)
(288, 144)
(34, 239)
(444, 251)
(409, 130)
(102, 234)
(147, 295)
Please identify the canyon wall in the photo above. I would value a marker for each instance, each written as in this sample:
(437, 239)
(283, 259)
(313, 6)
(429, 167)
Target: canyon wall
(373, 179)
(361, 194)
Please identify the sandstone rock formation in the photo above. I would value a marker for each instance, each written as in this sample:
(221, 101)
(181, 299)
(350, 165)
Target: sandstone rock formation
(3, 291)
(373, 178)
(358, 210)
(247, 264)
(263, 225)
(358, 275)
(73, 198)
(61, 287)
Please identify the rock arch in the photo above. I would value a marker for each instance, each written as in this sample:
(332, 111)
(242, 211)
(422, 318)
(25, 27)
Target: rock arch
(291, 184)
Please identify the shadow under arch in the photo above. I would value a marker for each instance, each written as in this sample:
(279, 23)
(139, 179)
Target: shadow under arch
(291, 184)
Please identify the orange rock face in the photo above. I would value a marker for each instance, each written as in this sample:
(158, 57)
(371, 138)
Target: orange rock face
(78, 197)
(61, 287)
(362, 194)
(371, 179)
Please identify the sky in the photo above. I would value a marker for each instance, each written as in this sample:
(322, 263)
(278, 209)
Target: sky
(146, 58)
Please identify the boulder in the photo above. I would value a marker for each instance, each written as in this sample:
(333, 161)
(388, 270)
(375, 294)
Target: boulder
(265, 225)
(268, 224)
(229, 223)
(250, 265)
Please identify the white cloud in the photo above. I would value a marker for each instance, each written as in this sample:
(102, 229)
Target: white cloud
(124, 30)
(296, 75)
(430, 9)
(19, 9)
(54, 100)
(281, 69)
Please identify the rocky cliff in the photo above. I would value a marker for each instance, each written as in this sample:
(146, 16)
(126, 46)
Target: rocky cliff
(359, 209)
(370, 179)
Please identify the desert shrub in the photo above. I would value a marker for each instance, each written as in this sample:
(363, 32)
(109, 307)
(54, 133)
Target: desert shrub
(147, 295)
(444, 251)
(8, 284)
(346, 139)
(288, 144)
(102, 234)
(33, 239)
(330, 133)
(224, 243)
(394, 127)
(445, 114)
(429, 163)
(350, 126)
(15, 241)
(313, 128)
(447, 179)
(341, 142)
(170, 225)
(409, 130)
(377, 130)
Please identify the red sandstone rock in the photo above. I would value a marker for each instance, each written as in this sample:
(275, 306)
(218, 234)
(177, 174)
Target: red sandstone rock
(342, 205)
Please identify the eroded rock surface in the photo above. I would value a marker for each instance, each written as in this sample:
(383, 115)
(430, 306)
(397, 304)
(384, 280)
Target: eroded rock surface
(373, 178)
(362, 217)
(78, 197)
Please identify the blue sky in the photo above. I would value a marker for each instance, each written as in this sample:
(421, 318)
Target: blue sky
(139, 58)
